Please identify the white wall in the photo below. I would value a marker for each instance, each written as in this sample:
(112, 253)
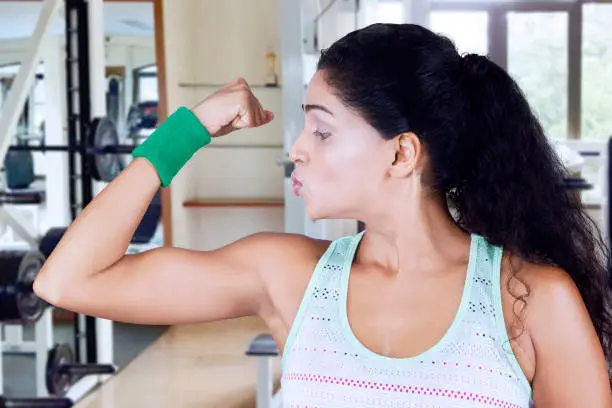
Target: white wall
(12, 50)
(209, 43)
(135, 51)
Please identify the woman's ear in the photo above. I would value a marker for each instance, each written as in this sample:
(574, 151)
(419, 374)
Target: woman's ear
(407, 151)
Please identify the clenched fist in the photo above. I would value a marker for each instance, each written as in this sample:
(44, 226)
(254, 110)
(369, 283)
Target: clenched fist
(230, 108)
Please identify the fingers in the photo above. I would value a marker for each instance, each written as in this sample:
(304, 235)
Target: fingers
(237, 82)
(248, 111)
(251, 113)
(269, 116)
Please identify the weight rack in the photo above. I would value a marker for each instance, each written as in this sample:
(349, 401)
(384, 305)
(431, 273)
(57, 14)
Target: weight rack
(78, 91)
(80, 176)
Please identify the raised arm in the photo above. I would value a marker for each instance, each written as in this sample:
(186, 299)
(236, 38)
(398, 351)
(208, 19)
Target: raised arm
(90, 273)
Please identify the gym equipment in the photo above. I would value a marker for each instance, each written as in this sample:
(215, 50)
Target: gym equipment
(18, 302)
(147, 227)
(99, 150)
(62, 371)
(577, 183)
(22, 197)
(50, 240)
(19, 166)
(113, 98)
(142, 116)
(264, 348)
(84, 49)
(104, 167)
(143, 234)
(35, 402)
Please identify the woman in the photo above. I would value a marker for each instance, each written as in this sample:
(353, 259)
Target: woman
(479, 280)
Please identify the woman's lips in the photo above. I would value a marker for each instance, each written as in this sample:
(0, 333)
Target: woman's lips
(296, 184)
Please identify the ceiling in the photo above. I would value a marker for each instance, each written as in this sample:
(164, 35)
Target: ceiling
(18, 19)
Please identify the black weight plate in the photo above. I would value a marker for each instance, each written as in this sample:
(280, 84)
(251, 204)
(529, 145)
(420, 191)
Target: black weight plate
(30, 306)
(58, 384)
(18, 270)
(9, 269)
(102, 133)
(50, 240)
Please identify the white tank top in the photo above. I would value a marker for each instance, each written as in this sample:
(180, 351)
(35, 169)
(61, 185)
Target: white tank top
(325, 365)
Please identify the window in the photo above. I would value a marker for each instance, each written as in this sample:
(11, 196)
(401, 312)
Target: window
(538, 61)
(31, 121)
(147, 89)
(467, 29)
(596, 116)
(146, 84)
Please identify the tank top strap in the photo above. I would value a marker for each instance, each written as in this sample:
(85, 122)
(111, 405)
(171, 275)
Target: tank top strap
(485, 305)
(324, 284)
(483, 273)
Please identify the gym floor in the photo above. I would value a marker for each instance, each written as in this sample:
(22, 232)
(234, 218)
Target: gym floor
(189, 366)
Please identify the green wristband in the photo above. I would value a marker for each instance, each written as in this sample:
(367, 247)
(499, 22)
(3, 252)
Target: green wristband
(173, 143)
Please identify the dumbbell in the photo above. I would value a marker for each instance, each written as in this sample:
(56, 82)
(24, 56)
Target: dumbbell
(18, 270)
(35, 402)
(18, 302)
(62, 372)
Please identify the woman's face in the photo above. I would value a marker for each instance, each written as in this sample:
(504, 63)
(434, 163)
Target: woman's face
(342, 163)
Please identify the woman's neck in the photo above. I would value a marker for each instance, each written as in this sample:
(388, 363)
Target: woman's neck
(413, 236)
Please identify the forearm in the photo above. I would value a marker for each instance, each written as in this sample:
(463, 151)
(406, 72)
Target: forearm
(100, 235)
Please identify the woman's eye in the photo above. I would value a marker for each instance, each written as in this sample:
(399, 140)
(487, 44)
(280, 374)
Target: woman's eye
(322, 135)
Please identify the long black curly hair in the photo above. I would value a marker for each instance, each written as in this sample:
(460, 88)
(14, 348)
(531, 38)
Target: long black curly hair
(488, 155)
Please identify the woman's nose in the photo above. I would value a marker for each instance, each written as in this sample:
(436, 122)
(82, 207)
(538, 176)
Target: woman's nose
(297, 153)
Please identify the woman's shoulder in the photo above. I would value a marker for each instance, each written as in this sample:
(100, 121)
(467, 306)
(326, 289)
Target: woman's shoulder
(538, 292)
(278, 252)
(291, 244)
(542, 286)
(539, 300)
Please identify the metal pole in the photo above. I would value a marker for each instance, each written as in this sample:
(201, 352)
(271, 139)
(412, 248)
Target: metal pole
(44, 342)
(1, 364)
(103, 334)
(92, 150)
(72, 110)
(574, 71)
(84, 94)
(264, 382)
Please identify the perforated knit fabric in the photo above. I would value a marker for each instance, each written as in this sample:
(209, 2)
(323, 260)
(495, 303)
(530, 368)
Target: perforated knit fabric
(325, 365)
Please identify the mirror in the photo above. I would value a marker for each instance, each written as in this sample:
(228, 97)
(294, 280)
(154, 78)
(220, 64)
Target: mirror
(132, 99)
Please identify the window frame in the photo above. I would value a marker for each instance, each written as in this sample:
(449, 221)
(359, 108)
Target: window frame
(498, 41)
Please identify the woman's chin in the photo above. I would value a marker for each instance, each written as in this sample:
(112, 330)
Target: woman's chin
(313, 212)
(317, 213)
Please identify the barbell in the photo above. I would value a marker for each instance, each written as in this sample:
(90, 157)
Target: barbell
(21, 197)
(62, 371)
(35, 402)
(102, 149)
